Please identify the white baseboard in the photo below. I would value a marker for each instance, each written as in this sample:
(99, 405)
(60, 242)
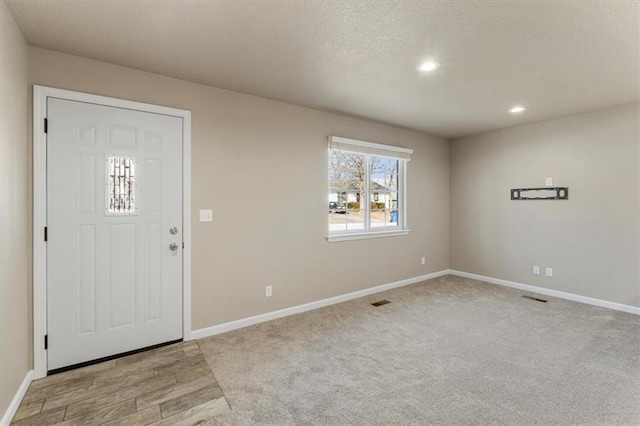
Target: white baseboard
(233, 325)
(17, 399)
(554, 293)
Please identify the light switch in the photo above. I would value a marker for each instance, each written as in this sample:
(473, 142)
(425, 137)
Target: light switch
(206, 215)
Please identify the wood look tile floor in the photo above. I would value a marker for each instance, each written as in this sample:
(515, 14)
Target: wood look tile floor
(171, 385)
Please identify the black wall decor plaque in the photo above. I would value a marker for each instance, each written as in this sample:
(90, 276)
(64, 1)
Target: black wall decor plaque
(547, 193)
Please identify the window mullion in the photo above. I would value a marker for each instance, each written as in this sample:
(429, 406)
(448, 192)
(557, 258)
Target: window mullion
(402, 194)
(367, 204)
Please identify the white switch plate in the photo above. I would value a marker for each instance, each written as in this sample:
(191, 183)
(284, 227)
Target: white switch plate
(424, 260)
(206, 215)
(268, 291)
(549, 272)
(536, 270)
(548, 181)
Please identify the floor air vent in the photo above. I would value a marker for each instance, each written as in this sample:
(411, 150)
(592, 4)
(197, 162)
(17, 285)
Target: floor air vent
(535, 298)
(380, 303)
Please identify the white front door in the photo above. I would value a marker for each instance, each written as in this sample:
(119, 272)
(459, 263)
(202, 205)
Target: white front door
(114, 231)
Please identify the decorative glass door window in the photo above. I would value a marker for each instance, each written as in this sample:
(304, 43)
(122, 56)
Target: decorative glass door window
(121, 185)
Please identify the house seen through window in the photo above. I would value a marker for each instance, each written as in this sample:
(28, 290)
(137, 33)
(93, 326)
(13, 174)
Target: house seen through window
(366, 187)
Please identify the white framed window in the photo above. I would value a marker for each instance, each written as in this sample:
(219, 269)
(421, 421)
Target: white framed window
(367, 189)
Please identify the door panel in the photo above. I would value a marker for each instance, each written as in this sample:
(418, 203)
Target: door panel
(87, 275)
(114, 190)
(121, 274)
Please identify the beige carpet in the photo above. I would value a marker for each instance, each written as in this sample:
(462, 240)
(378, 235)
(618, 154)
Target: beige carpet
(446, 351)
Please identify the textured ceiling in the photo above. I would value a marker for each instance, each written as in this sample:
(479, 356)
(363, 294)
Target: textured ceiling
(556, 57)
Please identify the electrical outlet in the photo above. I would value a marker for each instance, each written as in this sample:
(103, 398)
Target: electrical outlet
(548, 181)
(268, 291)
(424, 260)
(206, 215)
(536, 270)
(549, 272)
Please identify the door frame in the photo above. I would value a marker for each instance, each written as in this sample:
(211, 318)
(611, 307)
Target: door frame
(40, 95)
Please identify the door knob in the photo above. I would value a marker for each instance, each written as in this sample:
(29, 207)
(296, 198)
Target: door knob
(173, 247)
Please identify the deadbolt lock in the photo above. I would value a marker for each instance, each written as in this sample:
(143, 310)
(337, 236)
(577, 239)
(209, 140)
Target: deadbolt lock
(173, 231)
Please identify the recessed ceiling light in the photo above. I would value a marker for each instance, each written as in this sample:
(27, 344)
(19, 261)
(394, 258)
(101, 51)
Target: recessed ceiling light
(429, 66)
(517, 109)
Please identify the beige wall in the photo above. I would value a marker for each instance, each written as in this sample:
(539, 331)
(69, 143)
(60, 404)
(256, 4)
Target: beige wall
(15, 240)
(261, 166)
(590, 241)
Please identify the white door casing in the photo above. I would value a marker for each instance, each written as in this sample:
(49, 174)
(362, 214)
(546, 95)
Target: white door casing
(112, 282)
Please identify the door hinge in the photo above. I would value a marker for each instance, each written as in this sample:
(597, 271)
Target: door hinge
(46, 341)
(45, 234)
(46, 125)
(182, 245)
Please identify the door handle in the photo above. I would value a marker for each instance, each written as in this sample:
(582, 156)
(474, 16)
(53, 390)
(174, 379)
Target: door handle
(173, 247)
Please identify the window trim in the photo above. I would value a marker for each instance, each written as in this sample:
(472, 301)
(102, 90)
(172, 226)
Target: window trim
(369, 149)
(332, 238)
(363, 147)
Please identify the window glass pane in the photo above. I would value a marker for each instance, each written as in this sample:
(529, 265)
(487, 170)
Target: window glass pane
(393, 200)
(346, 215)
(121, 195)
(394, 209)
(383, 188)
(346, 172)
(337, 218)
(384, 211)
(379, 209)
(346, 166)
(346, 190)
(355, 222)
(384, 174)
(355, 210)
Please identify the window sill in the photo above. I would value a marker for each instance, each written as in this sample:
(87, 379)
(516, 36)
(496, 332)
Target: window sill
(366, 235)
